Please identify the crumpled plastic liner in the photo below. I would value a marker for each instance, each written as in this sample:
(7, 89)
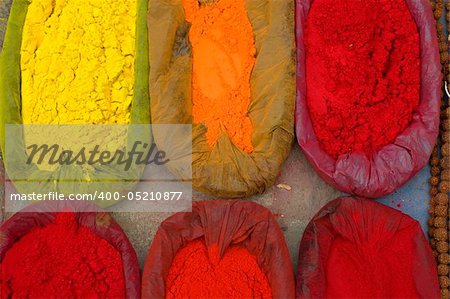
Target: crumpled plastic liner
(224, 223)
(225, 170)
(394, 164)
(101, 223)
(364, 224)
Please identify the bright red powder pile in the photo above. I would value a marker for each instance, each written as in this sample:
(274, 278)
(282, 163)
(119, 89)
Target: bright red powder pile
(383, 267)
(362, 72)
(236, 275)
(62, 260)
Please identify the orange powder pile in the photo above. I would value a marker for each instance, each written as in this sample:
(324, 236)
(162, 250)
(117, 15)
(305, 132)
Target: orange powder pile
(223, 57)
(197, 272)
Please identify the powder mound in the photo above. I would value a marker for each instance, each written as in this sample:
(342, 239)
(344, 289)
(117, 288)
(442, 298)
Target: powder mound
(77, 61)
(223, 58)
(381, 267)
(362, 72)
(62, 260)
(198, 273)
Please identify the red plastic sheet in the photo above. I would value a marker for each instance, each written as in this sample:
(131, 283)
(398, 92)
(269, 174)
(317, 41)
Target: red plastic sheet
(101, 223)
(224, 223)
(388, 254)
(394, 164)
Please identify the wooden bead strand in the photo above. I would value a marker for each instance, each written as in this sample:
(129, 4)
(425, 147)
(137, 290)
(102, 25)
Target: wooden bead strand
(438, 221)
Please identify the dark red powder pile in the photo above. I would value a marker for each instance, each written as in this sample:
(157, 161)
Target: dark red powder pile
(362, 72)
(194, 274)
(382, 267)
(62, 260)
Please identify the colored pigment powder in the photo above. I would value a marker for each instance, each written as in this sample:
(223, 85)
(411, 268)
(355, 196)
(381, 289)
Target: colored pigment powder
(224, 53)
(362, 72)
(77, 61)
(195, 273)
(62, 260)
(371, 270)
(77, 67)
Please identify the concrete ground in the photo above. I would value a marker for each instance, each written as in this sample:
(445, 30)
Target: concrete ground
(295, 207)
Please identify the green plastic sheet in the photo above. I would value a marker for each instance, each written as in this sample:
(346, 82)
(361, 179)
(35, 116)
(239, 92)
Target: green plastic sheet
(104, 178)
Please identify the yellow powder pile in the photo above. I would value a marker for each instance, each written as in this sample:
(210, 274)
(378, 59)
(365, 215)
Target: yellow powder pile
(77, 61)
(223, 57)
